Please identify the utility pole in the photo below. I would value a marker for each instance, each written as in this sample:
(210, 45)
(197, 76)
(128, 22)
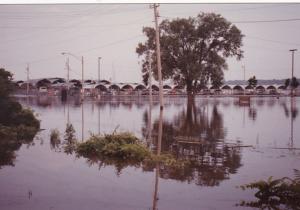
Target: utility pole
(99, 58)
(154, 6)
(150, 80)
(68, 71)
(82, 69)
(27, 87)
(293, 51)
(82, 81)
(244, 68)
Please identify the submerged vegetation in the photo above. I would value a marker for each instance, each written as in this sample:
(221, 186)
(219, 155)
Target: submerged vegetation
(123, 149)
(69, 143)
(17, 125)
(54, 139)
(281, 193)
(70, 139)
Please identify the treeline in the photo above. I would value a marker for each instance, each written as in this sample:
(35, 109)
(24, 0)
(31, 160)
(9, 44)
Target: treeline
(259, 82)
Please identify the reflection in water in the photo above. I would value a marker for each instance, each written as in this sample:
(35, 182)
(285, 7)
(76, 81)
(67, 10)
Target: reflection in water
(294, 114)
(195, 130)
(157, 168)
(197, 135)
(10, 143)
(252, 113)
(82, 122)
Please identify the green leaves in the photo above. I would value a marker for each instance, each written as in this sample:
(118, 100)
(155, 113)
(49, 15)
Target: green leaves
(6, 86)
(252, 81)
(193, 50)
(275, 193)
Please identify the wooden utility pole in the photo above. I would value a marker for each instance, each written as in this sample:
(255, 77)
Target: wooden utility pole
(68, 72)
(244, 68)
(156, 15)
(292, 88)
(99, 58)
(82, 80)
(150, 78)
(27, 71)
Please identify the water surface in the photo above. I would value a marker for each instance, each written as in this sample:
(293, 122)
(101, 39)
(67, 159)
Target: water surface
(233, 145)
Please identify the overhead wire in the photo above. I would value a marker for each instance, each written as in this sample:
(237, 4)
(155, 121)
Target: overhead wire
(85, 50)
(85, 35)
(273, 41)
(29, 35)
(249, 8)
(268, 21)
(75, 23)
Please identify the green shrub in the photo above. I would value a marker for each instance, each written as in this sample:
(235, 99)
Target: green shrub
(123, 149)
(121, 145)
(275, 193)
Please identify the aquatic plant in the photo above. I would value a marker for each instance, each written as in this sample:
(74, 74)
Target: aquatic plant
(283, 193)
(124, 149)
(55, 139)
(120, 145)
(70, 139)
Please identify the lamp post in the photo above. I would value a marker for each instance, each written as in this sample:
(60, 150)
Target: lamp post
(82, 68)
(293, 51)
(99, 58)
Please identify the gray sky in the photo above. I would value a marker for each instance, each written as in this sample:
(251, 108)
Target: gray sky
(37, 34)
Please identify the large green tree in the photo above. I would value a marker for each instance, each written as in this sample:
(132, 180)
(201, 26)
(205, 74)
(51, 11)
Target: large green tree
(193, 50)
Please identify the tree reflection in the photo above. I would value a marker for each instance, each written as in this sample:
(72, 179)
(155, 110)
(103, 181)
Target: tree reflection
(252, 113)
(292, 111)
(11, 142)
(197, 134)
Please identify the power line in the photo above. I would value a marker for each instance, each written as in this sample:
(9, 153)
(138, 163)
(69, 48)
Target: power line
(86, 50)
(84, 35)
(267, 21)
(67, 27)
(243, 9)
(256, 21)
(76, 24)
(273, 41)
(112, 11)
(109, 44)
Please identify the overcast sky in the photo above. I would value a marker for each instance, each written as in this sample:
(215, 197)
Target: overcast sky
(38, 34)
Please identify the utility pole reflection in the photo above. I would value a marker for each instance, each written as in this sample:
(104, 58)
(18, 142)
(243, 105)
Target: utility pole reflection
(82, 121)
(292, 120)
(98, 119)
(155, 195)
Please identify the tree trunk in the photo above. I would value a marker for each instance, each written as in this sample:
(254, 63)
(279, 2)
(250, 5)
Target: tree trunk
(190, 89)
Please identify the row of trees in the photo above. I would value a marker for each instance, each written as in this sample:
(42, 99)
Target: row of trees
(293, 83)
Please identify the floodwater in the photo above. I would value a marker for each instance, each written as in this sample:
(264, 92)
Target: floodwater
(234, 145)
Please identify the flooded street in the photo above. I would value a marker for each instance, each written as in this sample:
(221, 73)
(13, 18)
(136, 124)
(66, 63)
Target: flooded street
(232, 143)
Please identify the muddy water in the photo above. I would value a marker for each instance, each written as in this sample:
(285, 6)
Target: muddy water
(232, 143)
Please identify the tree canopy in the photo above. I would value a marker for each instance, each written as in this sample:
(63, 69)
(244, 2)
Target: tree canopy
(17, 125)
(6, 86)
(193, 50)
(291, 82)
(252, 81)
